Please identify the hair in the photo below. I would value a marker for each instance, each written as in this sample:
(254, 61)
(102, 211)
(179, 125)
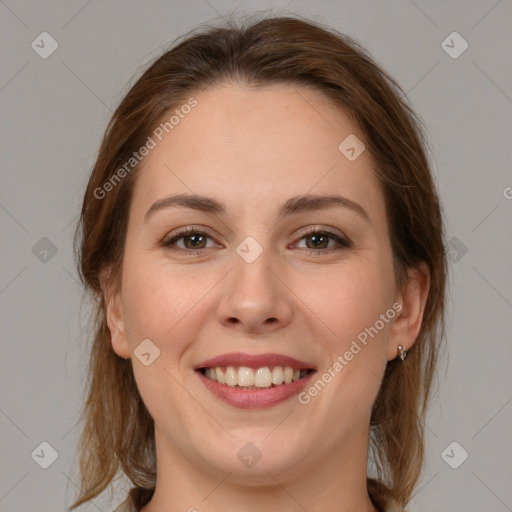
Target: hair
(118, 431)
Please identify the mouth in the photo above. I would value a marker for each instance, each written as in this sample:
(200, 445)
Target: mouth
(254, 381)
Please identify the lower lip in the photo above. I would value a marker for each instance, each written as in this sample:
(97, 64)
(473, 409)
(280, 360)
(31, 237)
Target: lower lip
(255, 398)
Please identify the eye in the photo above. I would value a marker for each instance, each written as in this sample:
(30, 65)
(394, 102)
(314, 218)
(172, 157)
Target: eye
(192, 239)
(317, 240)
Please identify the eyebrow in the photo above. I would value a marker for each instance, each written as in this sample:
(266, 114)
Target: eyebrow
(293, 205)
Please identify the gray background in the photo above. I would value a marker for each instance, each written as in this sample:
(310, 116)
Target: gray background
(54, 112)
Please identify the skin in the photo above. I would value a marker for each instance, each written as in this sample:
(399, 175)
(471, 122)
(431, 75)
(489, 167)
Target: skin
(252, 149)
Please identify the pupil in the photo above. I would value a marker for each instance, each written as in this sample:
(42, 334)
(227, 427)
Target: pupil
(317, 238)
(197, 238)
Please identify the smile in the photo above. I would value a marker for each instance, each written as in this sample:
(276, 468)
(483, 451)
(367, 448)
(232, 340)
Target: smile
(252, 381)
(244, 377)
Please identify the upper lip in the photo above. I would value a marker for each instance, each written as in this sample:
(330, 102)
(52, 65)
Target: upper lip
(254, 361)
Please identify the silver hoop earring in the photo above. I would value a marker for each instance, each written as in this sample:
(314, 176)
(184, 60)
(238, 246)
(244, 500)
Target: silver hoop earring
(402, 353)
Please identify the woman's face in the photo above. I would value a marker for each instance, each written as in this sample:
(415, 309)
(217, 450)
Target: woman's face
(253, 286)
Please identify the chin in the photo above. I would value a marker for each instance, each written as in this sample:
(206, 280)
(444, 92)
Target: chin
(250, 458)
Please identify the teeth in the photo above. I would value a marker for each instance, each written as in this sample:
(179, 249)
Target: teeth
(219, 374)
(245, 377)
(263, 378)
(230, 376)
(277, 376)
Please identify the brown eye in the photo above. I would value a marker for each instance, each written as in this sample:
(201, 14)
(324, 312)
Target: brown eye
(187, 240)
(318, 241)
(196, 241)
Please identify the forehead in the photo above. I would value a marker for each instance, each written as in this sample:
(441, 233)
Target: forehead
(265, 143)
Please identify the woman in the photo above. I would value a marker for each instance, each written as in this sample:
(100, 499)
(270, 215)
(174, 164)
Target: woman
(265, 242)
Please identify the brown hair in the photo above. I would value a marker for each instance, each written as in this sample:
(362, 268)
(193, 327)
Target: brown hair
(118, 430)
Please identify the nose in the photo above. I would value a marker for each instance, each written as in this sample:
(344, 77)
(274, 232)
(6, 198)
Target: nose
(255, 298)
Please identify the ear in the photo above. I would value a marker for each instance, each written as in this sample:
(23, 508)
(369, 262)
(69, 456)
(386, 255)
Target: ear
(413, 297)
(114, 313)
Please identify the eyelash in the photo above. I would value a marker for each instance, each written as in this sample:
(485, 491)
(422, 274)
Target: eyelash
(181, 233)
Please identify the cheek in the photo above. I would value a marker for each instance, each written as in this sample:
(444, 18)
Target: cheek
(352, 333)
(348, 299)
(160, 305)
(160, 300)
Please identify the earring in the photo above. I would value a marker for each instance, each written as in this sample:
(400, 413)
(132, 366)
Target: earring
(402, 353)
